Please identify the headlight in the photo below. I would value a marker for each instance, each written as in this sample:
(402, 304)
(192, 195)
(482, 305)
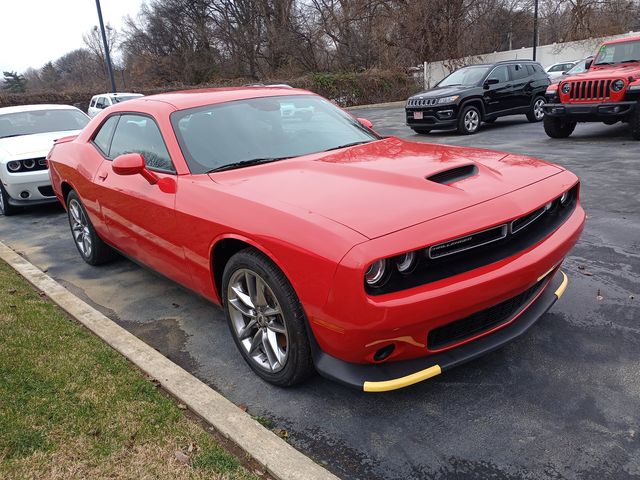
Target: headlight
(377, 273)
(566, 88)
(29, 164)
(406, 262)
(13, 166)
(617, 85)
(564, 198)
(450, 99)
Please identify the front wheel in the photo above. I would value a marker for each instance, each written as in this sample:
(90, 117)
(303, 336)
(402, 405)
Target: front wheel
(90, 246)
(558, 128)
(6, 208)
(536, 112)
(266, 319)
(469, 120)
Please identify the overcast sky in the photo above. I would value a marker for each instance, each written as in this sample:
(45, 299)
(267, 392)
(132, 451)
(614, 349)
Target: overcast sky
(32, 32)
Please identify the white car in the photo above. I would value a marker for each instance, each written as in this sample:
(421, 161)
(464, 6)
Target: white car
(556, 70)
(27, 133)
(104, 100)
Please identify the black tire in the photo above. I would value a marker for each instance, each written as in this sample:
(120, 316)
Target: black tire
(421, 130)
(469, 120)
(634, 123)
(98, 251)
(6, 209)
(558, 128)
(536, 114)
(490, 120)
(298, 364)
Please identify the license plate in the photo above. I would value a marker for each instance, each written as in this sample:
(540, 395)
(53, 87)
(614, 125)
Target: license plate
(417, 115)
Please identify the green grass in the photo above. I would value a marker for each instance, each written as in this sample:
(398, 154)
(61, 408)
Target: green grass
(71, 407)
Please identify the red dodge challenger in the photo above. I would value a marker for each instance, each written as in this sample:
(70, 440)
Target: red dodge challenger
(375, 261)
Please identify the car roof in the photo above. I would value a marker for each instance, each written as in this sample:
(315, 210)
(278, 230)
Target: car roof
(31, 108)
(502, 62)
(624, 39)
(117, 94)
(198, 97)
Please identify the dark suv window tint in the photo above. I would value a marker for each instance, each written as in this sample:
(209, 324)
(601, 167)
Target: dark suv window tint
(518, 71)
(137, 133)
(103, 137)
(539, 68)
(531, 70)
(501, 73)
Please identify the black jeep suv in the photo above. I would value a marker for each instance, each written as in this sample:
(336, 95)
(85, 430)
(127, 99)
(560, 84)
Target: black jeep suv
(480, 93)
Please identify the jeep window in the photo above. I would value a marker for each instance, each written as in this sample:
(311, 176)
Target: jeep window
(518, 72)
(618, 53)
(501, 73)
(467, 76)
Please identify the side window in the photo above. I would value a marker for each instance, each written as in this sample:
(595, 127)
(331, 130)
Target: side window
(538, 68)
(107, 102)
(102, 139)
(501, 73)
(138, 133)
(518, 71)
(93, 102)
(100, 102)
(530, 70)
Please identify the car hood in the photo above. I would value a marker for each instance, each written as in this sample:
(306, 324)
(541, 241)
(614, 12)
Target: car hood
(27, 146)
(381, 187)
(604, 72)
(441, 92)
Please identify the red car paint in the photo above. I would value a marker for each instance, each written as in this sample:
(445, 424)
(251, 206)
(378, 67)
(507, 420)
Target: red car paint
(323, 219)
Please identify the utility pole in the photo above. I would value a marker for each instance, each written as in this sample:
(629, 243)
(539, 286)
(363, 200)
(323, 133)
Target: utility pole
(106, 48)
(535, 28)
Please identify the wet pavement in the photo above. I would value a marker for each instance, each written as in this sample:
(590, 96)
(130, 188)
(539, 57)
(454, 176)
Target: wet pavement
(563, 402)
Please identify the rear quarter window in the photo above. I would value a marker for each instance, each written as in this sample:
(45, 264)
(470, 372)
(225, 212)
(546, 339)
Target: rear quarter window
(102, 139)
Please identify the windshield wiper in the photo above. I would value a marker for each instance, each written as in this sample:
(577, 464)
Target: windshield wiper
(246, 163)
(630, 60)
(352, 144)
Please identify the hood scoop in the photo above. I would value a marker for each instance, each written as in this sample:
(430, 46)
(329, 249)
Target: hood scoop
(447, 177)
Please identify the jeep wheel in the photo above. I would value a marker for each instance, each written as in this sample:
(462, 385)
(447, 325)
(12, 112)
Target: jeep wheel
(421, 131)
(536, 112)
(469, 120)
(558, 128)
(634, 123)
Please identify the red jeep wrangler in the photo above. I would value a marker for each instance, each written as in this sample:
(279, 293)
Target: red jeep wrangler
(608, 92)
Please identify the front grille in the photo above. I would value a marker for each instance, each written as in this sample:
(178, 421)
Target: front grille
(421, 102)
(469, 241)
(590, 90)
(46, 191)
(481, 321)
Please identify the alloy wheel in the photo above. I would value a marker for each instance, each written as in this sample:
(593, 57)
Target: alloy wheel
(538, 110)
(472, 120)
(258, 320)
(80, 228)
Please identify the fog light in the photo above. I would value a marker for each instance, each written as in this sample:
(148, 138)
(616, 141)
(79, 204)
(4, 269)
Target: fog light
(384, 353)
(445, 113)
(24, 194)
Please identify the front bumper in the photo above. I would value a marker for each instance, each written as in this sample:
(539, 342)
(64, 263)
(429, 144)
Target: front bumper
(590, 112)
(441, 116)
(28, 188)
(389, 376)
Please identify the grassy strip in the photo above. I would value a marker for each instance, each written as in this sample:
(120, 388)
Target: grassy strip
(71, 407)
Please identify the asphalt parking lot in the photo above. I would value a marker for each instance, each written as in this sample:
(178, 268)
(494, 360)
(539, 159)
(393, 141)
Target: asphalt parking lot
(561, 403)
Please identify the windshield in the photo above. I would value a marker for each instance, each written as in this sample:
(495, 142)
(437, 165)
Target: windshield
(618, 53)
(123, 98)
(242, 131)
(467, 76)
(41, 121)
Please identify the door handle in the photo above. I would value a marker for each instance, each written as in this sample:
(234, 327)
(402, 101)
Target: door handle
(103, 176)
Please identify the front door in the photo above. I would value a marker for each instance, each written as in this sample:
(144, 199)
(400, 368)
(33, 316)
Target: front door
(499, 96)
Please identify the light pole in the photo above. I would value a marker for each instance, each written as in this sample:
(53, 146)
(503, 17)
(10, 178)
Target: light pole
(535, 28)
(106, 48)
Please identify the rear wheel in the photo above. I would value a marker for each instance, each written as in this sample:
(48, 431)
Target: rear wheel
(634, 123)
(90, 246)
(536, 112)
(469, 120)
(266, 319)
(6, 208)
(422, 131)
(558, 128)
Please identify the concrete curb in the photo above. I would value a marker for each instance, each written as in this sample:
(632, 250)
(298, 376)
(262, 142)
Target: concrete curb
(278, 458)
(378, 105)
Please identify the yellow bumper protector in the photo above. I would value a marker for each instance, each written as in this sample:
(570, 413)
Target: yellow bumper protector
(563, 286)
(402, 382)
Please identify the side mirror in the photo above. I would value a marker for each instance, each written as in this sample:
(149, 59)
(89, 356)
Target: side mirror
(366, 123)
(133, 164)
(491, 81)
(587, 64)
